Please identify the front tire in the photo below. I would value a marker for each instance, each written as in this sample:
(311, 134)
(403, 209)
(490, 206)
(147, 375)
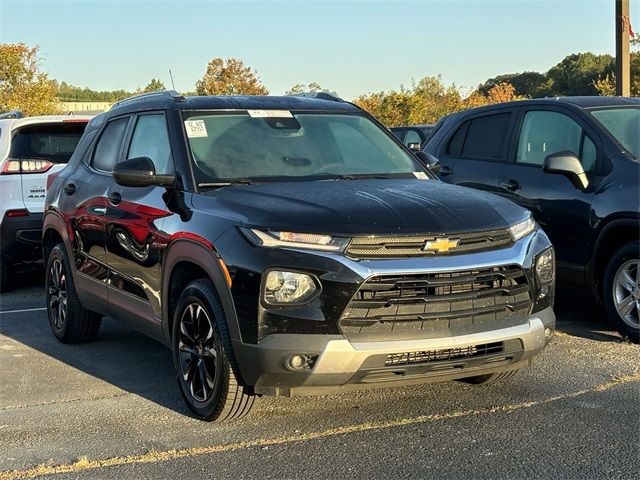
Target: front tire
(70, 322)
(621, 291)
(205, 377)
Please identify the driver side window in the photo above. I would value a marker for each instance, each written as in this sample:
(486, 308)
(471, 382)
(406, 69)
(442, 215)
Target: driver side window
(546, 132)
(151, 139)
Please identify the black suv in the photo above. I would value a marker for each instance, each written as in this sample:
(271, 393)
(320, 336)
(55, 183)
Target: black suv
(286, 246)
(574, 162)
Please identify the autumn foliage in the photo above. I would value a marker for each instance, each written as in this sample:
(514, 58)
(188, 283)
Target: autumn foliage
(230, 77)
(22, 85)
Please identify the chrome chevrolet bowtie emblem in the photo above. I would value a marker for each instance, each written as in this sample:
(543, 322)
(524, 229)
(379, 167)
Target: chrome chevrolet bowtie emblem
(440, 245)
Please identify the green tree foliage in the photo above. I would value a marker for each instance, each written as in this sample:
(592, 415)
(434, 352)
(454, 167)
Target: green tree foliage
(22, 85)
(155, 85)
(606, 84)
(70, 93)
(526, 84)
(230, 77)
(576, 74)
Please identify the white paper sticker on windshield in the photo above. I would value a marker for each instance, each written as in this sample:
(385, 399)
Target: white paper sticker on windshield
(420, 175)
(195, 128)
(269, 113)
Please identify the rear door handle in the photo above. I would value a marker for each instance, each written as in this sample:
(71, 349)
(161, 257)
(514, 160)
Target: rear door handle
(114, 198)
(511, 185)
(445, 170)
(69, 189)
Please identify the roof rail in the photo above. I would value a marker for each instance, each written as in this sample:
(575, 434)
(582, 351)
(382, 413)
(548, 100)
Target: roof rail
(320, 95)
(12, 114)
(170, 93)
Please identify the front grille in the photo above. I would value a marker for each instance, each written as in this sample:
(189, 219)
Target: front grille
(428, 356)
(387, 305)
(413, 245)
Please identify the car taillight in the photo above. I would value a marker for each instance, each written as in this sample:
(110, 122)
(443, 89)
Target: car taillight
(35, 166)
(51, 178)
(21, 212)
(13, 167)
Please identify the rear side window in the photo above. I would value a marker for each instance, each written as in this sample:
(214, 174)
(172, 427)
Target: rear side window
(151, 139)
(54, 142)
(457, 141)
(486, 136)
(106, 153)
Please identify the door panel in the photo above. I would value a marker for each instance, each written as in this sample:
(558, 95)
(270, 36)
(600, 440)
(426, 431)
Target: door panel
(562, 210)
(133, 227)
(475, 153)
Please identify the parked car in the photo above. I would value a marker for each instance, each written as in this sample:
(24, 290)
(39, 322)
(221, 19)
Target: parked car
(317, 257)
(413, 136)
(574, 162)
(30, 149)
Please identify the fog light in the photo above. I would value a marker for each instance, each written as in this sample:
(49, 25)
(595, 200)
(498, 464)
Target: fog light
(282, 287)
(548, 333)
(300, 362)
(545, 266)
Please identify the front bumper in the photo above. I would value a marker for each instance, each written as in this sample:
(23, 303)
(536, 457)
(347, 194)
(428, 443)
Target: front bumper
(21, 237)
(342, 365)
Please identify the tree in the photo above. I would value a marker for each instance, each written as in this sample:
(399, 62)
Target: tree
(22, 85)
(230, 77)
(425, 102)
(525, 84)
(312, 87)
(155, 85)
(606, 83)
(576, 74)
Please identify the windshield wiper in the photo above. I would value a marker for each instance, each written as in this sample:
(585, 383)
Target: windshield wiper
(360, 176)
(228, 183)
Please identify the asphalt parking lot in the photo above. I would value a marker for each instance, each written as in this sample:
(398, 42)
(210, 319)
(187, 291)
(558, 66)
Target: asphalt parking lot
(111, 409)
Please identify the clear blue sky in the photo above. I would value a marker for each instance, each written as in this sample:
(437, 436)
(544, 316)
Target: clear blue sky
(352, 47)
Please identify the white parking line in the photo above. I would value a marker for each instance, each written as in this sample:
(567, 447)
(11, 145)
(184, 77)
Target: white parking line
(25, 310)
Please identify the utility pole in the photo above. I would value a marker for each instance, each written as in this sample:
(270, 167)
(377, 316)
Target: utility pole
(623, 58)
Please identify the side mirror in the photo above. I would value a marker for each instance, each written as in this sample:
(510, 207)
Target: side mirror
(431, 162)
(415, 147)
(566, 163)
(140, 172)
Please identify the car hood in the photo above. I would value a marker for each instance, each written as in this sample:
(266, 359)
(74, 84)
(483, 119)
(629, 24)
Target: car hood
(362, 207)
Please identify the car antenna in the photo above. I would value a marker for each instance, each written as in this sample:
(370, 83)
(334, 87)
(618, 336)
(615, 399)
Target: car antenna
(171, 77)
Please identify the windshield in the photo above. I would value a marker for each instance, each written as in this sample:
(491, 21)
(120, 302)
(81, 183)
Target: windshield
(624, 125)
(268, 145)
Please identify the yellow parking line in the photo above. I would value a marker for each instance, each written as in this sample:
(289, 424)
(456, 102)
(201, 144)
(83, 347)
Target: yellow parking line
(154, 456)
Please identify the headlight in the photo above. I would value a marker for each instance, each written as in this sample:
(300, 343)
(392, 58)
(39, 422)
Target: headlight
(522, 229)
(282, 287)
(545, 266)
(309, 241)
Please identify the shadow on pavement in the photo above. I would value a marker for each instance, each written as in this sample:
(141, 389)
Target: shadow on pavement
(120, 356)
(580, 315)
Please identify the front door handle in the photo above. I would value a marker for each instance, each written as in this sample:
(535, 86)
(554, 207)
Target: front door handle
(69, 189)
(114, 198)
(445, 170)
(511, 185)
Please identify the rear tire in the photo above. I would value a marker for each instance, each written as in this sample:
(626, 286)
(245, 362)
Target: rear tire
(5, 269)
(201, 356)
(489, 378)
(621, 291)
(70, 322)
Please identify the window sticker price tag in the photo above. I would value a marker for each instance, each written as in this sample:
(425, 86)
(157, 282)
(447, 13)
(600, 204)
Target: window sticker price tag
(195, 128)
